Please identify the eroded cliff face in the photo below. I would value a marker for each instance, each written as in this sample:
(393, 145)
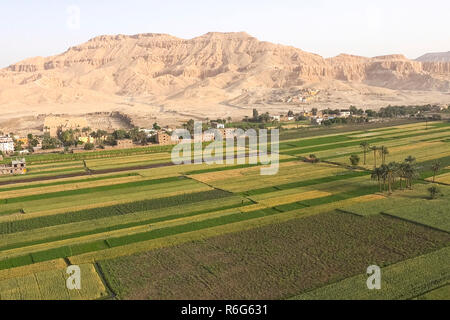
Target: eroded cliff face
(222, 64)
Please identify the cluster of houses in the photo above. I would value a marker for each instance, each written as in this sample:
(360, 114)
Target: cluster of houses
(306, 95)
(165, 137)
(316, 117)
(17, 166)
(320, 117)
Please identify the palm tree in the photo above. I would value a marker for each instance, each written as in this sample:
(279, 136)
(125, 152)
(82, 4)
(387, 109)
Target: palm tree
(410, 172)
(436, 166)
(402, 173)
(383, 175)
(366, 147)
(383, 152)
(377, 173)
(391, 173)
(375, 150)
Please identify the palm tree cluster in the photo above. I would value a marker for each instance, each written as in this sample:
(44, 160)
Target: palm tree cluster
(387, 175)
(382, 152)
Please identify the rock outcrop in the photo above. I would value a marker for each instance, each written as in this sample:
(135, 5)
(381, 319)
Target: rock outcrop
(212, 68)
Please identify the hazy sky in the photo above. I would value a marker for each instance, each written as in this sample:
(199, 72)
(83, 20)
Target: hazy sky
(327, 27)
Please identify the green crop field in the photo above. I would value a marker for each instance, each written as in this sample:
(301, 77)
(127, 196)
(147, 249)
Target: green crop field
(403, 280)
(272, 262)
(226, 231)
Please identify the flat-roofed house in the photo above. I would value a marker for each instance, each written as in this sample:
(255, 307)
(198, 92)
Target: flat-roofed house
(217, 125)
(6, 145)
(125, 144)
(163, 138)
(17, 166)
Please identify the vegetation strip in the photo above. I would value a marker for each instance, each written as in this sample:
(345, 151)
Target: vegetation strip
(57, 183)
(66, 193)
(120, 226)
(76, 249)
(67, 251)
(305, 183)
(103, 212)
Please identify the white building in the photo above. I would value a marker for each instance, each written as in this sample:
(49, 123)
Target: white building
(317, 120)
(150, 132)
(345, 113)
(217, 125)
(6, 145)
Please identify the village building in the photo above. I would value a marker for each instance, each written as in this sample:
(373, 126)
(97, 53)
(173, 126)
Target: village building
(125, 144)
(217, 125)
(16, 167)
(206, 137)
(344, 113)
(227, 133)
(6, 145)
(276, 118)
(162, 138)
(24, 141)
(317, 121)
(149, 132)
(87, 139)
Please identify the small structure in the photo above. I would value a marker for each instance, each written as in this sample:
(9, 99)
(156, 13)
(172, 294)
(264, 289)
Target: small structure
(317, 121)
(149, 132)
(6, 145)
(125, 144)
(86, 139)
(344, 113)
(162, 138)
(17, 166)
(217, 125)
(227, 133)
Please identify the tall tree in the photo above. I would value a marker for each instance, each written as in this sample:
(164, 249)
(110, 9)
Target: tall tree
(375, 151)
(384, 151)
(366, 147)
(391, 173)
(411, 172)
(436, 166)
(377, 174)
(255, 115)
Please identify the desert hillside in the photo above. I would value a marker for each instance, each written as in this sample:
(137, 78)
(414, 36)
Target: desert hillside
(168, 79)
(435, 57)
